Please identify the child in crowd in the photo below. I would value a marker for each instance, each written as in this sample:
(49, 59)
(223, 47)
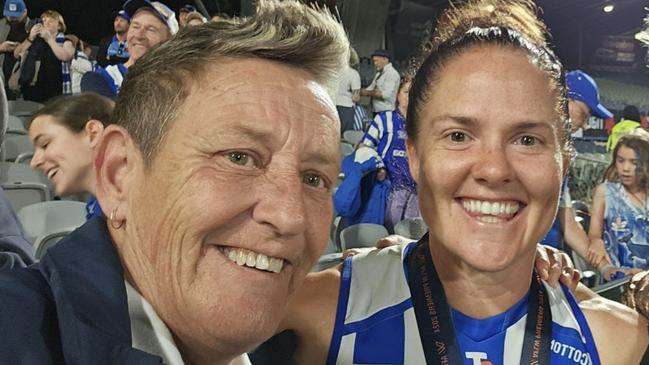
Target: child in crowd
(619, 223)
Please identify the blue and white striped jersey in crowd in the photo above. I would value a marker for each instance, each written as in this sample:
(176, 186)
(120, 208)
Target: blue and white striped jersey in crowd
(359, 117)
(387, 134)
(376, 322)
(65, 69)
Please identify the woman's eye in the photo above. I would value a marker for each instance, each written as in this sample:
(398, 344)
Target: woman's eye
(313, 180)
(240, 158)
(457, 137)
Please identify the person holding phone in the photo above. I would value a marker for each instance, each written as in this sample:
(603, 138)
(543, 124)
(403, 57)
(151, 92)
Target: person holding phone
(47, 44)
(14, 27)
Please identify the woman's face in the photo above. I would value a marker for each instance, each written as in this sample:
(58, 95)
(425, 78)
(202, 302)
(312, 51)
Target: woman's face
(402, 96)
(64, 156)
(51, 24)
(487, 161)
(626, 165)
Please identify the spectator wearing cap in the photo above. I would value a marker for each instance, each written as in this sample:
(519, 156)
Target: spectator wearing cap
(113, 50)
(583, 101)
(152, 23)
(184, 13)
(385, 85)
(14, 28)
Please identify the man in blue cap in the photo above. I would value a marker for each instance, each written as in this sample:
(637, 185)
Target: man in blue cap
(583, 101)
(385, 85)
(152, 23)
(13, 29)
(114, 50)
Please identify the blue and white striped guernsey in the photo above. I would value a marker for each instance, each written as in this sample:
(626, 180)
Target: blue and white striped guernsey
(375, 321)
(387, 134)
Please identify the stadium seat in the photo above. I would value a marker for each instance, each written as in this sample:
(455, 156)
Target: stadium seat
(51, 218)
(24, 158)
(353, 137)
(23, 185)
(334, 234)
(14, 145)
(23, 107)
(346, 149)
(413, 228)
(15, 125)
(46, 242)
(362, 235)
(327, 261)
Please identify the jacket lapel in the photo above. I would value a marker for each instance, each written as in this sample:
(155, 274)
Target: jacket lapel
(87, 281)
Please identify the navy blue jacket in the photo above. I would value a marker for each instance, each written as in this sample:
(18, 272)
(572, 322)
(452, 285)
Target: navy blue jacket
(70, 308)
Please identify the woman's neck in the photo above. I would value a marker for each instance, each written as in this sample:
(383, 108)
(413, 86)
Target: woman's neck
(403, 112)
(90, 183)
(480, 294)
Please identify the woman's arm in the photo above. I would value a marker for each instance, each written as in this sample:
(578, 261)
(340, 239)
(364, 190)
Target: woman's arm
(620, 333)
(64, 52)
(24, 46)
(597, 255)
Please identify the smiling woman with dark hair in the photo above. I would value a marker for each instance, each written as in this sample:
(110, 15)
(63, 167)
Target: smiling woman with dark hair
(65, 133)
(488, 145)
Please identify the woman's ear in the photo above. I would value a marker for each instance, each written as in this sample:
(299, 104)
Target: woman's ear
(94, 130)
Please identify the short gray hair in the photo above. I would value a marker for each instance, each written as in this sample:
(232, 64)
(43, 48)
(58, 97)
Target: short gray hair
(308, 38)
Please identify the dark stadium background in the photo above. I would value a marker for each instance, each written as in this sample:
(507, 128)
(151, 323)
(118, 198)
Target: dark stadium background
(579, 27)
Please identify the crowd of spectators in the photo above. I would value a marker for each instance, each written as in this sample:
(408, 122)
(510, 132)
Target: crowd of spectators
(179, 210)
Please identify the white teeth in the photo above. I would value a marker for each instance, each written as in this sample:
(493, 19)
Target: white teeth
(51, 173)
(262, 262)
(252, 259)
(485, 208)
(232, 255)
(490, 219)
(498, 210)
(275, 265)
(241, 258)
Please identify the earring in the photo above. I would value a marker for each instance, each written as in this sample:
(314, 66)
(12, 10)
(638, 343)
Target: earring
(112, 220)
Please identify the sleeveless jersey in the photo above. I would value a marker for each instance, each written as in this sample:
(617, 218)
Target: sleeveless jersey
(376, 323)
(626, 231)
